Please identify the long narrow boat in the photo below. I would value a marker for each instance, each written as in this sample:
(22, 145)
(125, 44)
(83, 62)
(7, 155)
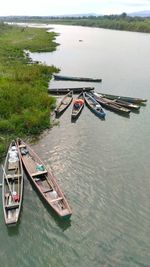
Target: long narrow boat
(12, 185)
(122, 103)
(64, 103)
(94, 105)
(111, 106)
(80, 79)
(76, 90)
(43, 180)
(78, 105)
(126, 104)
(125, 98)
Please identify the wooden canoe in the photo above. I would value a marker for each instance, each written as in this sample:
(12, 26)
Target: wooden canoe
(121, 103)
(12, 185)
(80, 79)
(43, 180)
(111, 106)
(126, 104)
(94, 105)
(64, 103)
(76, 90)
(78, 105)
(125, 98)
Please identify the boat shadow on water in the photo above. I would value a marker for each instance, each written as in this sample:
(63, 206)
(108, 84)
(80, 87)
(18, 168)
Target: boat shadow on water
(63, 223)
(74, 120)
(135, 111)
(143, 104)
(125, 115)
(101, 118)
(13, 230)
(57, 116)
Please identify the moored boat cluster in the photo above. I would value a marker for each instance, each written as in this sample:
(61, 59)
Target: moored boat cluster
(96, 102)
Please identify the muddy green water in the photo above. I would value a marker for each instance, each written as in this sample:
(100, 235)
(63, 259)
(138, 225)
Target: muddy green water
(102, 166)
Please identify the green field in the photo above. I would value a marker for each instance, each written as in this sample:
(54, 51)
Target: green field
(24, 103)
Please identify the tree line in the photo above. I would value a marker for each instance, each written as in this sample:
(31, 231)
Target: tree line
(117, 22)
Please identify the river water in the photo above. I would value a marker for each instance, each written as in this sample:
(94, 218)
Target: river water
(102, 166)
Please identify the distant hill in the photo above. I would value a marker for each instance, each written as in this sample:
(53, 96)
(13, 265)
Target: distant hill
(80, 15)
(145, 13)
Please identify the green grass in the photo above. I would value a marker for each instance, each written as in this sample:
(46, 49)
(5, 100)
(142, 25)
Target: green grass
(24, 103)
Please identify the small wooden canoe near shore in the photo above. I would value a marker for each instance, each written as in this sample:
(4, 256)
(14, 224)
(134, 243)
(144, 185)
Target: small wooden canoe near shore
(64, 103)
(78, 105)
(76, 90)
(125, 98)
(12, 185)
(44, 181)
(94, 105)
(80, 79)
(111, 106)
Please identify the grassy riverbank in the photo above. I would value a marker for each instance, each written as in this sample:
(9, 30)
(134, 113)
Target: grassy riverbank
(24, 103)
(117, 22)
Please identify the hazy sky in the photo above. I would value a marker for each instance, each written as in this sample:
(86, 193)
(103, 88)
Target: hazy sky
(64, 7)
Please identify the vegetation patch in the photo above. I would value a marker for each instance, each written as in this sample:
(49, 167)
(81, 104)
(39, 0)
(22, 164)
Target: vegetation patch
(25, 105)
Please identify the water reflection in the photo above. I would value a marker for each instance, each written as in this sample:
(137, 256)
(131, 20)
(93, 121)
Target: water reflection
(13, 230)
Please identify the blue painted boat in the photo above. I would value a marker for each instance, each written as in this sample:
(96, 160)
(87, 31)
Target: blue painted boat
(80, 79)
(94, 105)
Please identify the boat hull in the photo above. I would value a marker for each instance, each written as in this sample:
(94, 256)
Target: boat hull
(92, 104)
(12, 186)
(64, 103)
(77, 90)
(44, 181)
(125, 98)
(76, 110)
(111, 106)
(80, 79)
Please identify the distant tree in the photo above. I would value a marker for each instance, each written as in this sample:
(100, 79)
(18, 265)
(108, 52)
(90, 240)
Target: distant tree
(123, 15)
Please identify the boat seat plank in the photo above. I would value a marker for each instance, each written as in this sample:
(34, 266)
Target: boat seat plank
(12, 165)
(38, 173)
(48, 190)
(56, 199)
(21, 146)
(12, 206)
(13, 176)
